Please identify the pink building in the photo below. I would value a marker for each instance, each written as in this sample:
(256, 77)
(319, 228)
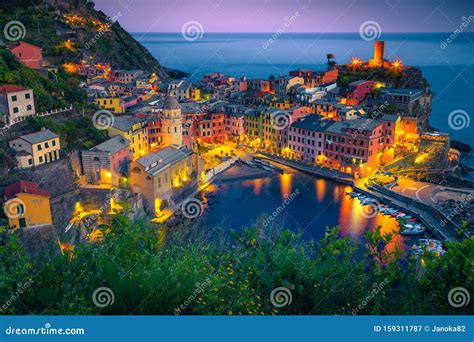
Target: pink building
(234, 124)
(28, 54)
(107, 163)
(306, 139)
(358, 90)
(239, 85)
(128, 102)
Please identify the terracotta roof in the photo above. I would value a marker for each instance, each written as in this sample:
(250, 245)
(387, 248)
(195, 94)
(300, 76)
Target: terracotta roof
(24, 43)
(11, 88)
(24, 187)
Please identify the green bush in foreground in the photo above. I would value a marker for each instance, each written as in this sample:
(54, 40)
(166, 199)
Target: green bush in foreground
(154, 271)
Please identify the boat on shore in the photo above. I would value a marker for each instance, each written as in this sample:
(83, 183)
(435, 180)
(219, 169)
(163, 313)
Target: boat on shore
(412, 229)
(428, 245)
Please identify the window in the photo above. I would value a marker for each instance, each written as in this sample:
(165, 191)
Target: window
(27, 96)
(30, 161)
(46, 145)
(41, 159)
(15, 110)
(28, 107)
(39, 147)
(14, 98)
(53, 143)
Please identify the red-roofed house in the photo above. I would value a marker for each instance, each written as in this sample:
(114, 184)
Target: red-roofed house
(16, 103)
(26, 205)
(358, 91)
(28, 54)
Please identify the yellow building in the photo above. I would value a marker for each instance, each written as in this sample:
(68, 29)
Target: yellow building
(280, 104)
(110, 103)
(134, 130)
(26, 205)
(275, 123)
(195, 93)
(36, 148)
(158, 174)
(254, 120)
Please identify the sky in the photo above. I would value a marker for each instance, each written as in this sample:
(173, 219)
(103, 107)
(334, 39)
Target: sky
(293, 15)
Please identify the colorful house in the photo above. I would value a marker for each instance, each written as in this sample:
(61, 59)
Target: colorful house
(306, 139)
(358, 91)
(16, 103)
(354, 146)
(107, 163)
(36, 148)
(26, 205)
(113, 104)
(134, 130)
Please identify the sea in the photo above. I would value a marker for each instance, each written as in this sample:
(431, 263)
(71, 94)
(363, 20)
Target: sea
(445, 59)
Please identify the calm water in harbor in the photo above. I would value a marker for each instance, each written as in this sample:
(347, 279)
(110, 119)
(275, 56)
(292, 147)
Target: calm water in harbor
(449, 71)
(313, 204)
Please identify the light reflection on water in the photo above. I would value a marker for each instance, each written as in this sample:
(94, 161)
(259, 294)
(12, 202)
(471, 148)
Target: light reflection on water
(319, 204)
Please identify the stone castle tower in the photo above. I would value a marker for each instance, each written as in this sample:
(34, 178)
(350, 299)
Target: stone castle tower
(172, 123)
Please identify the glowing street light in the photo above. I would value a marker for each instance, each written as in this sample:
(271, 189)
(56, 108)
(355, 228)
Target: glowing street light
(397, 64)
(356, 62)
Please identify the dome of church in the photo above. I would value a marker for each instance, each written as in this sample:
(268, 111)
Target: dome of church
(171, 103)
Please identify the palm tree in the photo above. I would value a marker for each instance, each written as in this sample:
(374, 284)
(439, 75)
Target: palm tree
(330, 63)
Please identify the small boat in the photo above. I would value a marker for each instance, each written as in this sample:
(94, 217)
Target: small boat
(270, 166)
(390, 211)
(266, 168)
(252, 164)
(413, 231)
(429, 245)
(412, 219)
(368, 201)
(257, 160)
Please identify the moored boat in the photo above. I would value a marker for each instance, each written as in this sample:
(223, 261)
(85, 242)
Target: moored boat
(428, 245)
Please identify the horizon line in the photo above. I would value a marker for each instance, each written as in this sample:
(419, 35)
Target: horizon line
(304, 32)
